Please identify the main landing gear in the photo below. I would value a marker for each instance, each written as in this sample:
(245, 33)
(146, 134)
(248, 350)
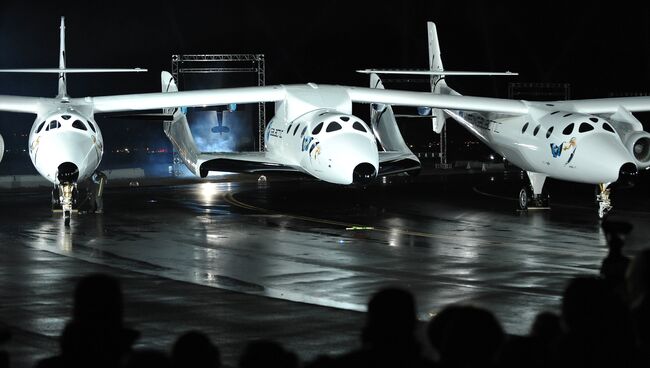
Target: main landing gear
(531, 195)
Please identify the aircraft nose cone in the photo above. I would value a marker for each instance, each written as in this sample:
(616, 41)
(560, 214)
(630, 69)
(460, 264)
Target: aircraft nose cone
(363, 173)
(67, 172)
(627, 174)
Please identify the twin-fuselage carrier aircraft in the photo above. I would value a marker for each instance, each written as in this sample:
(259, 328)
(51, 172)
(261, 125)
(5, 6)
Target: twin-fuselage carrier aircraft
(314, 132)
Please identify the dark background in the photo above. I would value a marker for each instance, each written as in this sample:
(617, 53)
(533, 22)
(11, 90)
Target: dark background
(600, 49)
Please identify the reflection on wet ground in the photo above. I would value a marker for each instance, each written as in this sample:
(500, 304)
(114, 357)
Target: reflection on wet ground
(448, 238)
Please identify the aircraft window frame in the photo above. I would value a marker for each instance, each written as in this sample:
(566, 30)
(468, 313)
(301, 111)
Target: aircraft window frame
(608, 127)
(92, 127)
(569, 129)
(78, 124)
(536, 130)
(585, 127)
(333, 126)
(304, 130)
(295, 130)
(40, 127)
(524, 128)
(549, 132)
(317, 128)
(358, 126)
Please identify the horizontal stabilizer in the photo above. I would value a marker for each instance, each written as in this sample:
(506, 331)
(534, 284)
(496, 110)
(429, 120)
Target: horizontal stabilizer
(147, 117)
(72, 70)
(433, 72)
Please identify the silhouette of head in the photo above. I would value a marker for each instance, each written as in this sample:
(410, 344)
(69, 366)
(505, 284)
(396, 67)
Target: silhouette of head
(264, 354)
(546, 327)
(466, 336)
(194, 349)
(98, 300)
(615, 233)
(391, 317)
(147, 358)
(638, 277)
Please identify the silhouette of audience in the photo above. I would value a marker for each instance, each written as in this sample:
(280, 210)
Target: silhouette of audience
(388, 337)
(264, 353)
(614, 266)
(466, 336)
(147, 358)
(195, 350)
(95, 337)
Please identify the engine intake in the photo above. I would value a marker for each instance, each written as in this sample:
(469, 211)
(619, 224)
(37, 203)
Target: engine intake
(638, 144)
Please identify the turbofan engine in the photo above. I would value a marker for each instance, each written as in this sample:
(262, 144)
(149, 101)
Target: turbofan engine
(2, 147)
(638, 143)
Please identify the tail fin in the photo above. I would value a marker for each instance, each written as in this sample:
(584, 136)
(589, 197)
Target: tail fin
(438, 83)
(383, 123)
(178, 130)
(62, 85)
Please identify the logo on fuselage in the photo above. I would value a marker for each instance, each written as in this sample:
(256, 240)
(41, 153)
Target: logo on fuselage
(556, 150)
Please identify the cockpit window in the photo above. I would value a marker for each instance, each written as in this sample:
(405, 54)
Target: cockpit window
(595, 120)
(304, 130)
(358, 126)
(523, 130)
(536, 130)
(332, 127)
(585, 127)
(317, 129)
(345, 118)
(92, 127)
(549, 132)
(295, 130)
(565, 115)
(289, 128)
(40, 127)
(54, 124)
(569, 129)
(65, 117)
(77, 124)
(608, 128)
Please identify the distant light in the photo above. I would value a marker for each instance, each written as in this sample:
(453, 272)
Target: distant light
(491, 157)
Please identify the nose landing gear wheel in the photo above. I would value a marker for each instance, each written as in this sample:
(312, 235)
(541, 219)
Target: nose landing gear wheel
(66, 218)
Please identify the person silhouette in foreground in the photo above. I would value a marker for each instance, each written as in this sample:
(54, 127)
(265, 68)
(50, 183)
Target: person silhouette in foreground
(5, 336)
(388, 337)
(466, 336)
(596, 327)
(638, 283)
(265, 353)
(533, 350)
(195, 350)
(96, 336)
(614, 266)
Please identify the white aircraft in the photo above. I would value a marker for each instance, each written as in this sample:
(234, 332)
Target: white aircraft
(594, 141)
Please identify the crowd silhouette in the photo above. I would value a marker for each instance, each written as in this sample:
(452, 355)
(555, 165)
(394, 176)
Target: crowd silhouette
(604, 321)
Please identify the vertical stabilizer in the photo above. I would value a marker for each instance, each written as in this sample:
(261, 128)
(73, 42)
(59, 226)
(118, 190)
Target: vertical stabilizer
(62, 87)
(438, 84)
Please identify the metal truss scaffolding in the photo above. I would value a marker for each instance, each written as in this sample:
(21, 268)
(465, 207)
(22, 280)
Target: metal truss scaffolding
(225, 63)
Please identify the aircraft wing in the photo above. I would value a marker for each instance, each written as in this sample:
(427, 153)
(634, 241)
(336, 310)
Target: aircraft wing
(208, 97)
(20, 104)
(242, 162)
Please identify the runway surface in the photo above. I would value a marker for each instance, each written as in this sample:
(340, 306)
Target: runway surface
(296, 260)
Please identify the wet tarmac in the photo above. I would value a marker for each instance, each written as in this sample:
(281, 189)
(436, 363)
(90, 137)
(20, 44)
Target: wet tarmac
(296, 260)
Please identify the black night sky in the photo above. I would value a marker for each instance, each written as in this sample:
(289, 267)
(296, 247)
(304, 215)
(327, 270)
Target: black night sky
(599, 49)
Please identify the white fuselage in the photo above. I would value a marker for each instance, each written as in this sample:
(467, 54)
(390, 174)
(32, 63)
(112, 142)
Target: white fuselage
(326, 144)
(563, 145)
(65, 133)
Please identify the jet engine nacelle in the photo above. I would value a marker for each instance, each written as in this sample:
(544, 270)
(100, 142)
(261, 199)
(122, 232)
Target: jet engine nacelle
(2, 147)
(638, 143)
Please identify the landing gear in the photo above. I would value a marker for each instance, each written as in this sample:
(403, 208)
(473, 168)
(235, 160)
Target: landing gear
(604, 200)
(532, 195)
(64, 198)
